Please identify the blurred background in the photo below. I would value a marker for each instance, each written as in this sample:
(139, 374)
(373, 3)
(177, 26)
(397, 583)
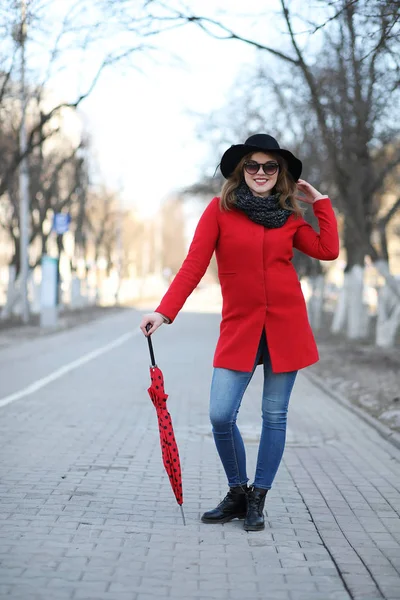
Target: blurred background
(113, 119)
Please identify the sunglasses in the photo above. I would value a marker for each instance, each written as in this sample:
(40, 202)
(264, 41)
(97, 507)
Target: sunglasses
(252, 167)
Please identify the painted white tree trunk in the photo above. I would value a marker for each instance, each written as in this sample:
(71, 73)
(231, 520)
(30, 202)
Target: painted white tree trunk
(35, 291)
(13, 305)
(388, 318)
(316, 301)
(392, 281)
(76, 293)
(340, 315)
(357, 315)
(351, 313)
(12, 293)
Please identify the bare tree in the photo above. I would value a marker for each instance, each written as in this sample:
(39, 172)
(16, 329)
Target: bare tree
(54, 184)
(353, 94)
(100, 227)
(353, 90)
(99, 33)
(99, 37)
(173, 233)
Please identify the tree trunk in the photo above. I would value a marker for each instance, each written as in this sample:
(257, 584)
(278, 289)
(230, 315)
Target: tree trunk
(340, 314)
(357, 317)
(388, 318)
(316, 301)
(356, 314)
(11, 292)
(76, 293)
(382, 266)
(16, 261)
(351, 314)
(355, 250)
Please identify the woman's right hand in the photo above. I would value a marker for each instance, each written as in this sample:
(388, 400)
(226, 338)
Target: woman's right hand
(155, 320)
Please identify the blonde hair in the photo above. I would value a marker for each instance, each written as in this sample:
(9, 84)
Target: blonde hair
(285, 185)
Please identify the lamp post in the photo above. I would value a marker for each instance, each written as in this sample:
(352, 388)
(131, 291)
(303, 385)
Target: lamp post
(23, 179)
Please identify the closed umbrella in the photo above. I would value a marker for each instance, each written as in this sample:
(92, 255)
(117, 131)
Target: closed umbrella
(168, 443)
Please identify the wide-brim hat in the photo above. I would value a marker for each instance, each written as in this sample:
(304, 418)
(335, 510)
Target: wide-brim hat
(260, 142)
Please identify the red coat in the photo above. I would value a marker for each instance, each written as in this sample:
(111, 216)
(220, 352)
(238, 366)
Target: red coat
(260, 287)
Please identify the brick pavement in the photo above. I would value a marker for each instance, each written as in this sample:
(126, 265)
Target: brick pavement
(87, 512)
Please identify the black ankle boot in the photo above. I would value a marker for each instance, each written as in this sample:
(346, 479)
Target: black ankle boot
(254, 520)
(233, 506)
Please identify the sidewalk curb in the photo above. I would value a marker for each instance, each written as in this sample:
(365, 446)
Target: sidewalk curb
(390, 436)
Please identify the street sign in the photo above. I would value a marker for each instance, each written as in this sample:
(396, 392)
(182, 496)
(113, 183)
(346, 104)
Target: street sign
(61, 222)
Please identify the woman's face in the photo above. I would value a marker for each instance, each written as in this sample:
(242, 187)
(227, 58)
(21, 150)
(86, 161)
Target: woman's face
(261, 183)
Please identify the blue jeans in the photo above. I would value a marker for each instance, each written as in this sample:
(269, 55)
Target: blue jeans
(227, 390)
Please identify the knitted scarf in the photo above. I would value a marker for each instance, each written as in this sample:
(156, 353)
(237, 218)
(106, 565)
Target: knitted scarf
(264, 211)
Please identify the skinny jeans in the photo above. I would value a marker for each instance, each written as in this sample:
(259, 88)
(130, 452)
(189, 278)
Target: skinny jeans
(227, 390)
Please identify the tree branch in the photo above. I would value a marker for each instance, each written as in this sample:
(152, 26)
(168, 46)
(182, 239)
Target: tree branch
(383, 221)
(7, 77)
(378, 182)
(332, 18)
(230, 35)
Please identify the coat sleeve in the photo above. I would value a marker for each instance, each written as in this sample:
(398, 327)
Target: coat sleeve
(195, 264)
(325, 244)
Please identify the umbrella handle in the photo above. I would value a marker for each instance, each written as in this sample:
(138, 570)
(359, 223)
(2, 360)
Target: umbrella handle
(153, 360)
(183, 514)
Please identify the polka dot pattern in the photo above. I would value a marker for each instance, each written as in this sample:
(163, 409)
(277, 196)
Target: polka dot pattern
(169, 446)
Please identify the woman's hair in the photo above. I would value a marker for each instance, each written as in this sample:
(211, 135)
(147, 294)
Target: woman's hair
(285, 185)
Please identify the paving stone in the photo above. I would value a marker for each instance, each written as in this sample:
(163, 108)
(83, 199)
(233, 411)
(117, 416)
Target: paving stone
(111, 528)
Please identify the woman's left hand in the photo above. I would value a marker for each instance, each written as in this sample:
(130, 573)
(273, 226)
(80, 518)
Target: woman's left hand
(311, 194)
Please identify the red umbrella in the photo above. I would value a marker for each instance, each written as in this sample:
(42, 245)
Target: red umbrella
(168, 443)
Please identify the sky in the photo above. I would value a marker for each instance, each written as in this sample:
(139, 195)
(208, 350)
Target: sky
(140, 122)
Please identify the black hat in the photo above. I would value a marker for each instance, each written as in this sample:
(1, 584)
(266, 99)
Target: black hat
(261, 142)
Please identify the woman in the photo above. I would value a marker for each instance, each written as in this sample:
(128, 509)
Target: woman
(253, 228)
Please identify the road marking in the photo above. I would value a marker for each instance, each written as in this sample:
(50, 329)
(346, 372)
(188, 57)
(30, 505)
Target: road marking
(40, 383)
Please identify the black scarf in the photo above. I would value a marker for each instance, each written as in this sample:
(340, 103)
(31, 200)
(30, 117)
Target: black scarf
(264, 211)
